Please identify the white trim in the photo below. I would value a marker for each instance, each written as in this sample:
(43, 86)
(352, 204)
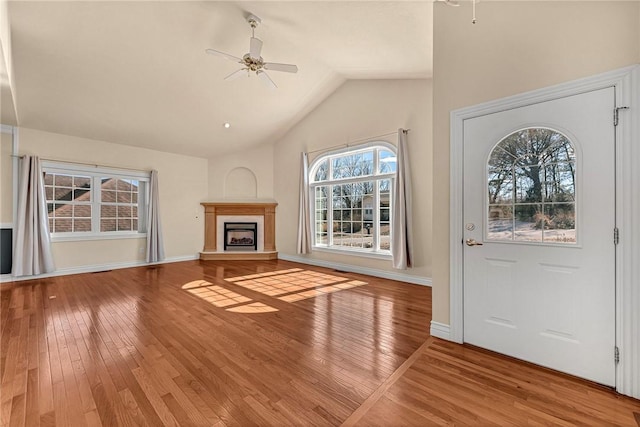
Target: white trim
(355, 252)
(6, 129)
(627, 90)
(391, 275)
(628, 251)
(106, 235)
(4, 225)
(94, 170)
(440, 330)
(94, 268)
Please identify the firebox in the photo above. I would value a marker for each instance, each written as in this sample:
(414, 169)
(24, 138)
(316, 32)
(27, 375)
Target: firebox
(240, 236)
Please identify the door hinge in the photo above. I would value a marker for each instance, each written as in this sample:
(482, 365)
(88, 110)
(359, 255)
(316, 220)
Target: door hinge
(616, 354)
(616, 236)
(616, 114)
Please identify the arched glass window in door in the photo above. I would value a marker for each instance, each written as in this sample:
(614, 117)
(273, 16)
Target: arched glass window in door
(531, 183)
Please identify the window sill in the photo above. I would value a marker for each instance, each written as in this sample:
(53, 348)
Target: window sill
(102, 236)
(354, 252)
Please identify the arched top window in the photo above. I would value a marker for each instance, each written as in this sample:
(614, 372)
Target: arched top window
(351, 191)
(360, 161)
(531, 188)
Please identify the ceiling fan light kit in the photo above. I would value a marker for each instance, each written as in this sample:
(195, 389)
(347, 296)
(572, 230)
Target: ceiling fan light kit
(252, 61)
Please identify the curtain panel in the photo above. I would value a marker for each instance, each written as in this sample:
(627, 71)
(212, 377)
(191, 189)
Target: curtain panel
(32, 247)
(402, 229)
(155, 244)
(304, 220)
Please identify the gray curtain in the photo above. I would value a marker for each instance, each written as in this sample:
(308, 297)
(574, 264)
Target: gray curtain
(401, 226)
(304, 225)
(155, 245)
(32, 245)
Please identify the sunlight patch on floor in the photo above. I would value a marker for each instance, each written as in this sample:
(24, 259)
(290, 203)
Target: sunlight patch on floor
(255, 307)
(221, 297)
(294, 284)
(321, 291)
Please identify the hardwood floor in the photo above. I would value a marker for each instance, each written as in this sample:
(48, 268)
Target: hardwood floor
(241, 343)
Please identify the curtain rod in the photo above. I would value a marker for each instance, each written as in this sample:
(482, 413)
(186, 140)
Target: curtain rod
(348, 144)
(85, 164)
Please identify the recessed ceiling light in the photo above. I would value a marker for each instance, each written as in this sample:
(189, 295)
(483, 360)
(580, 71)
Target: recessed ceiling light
(227, 125)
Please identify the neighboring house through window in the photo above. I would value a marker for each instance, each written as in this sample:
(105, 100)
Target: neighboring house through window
(351, 191)
(85, 201)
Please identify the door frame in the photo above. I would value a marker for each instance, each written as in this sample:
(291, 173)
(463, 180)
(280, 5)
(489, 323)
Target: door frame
(626, 82)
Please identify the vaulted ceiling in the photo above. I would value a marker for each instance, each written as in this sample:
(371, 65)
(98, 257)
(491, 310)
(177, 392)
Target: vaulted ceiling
(137, 73)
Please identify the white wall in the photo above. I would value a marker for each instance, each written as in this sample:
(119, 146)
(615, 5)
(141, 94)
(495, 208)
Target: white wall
(183, 185)
(258, 161)
(516, 46)
(360, 109)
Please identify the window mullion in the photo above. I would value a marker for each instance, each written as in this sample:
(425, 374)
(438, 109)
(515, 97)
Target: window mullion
(376, 165)
(376, 216)
(330, 215)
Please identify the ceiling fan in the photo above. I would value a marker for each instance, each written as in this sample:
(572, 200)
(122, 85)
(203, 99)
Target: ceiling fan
(252, 61)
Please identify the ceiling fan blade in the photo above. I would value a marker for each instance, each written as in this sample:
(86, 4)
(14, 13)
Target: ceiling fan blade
(224, 55)
(255, 47)
(287, 68)
(243, 72)
(266, 79)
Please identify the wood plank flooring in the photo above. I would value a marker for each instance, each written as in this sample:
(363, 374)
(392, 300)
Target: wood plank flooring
(209, 343)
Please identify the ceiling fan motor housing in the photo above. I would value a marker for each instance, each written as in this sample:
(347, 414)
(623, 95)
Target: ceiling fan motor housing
(253, 64)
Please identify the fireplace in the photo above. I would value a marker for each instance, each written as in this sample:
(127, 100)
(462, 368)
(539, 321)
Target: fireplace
(219, 213)
(240, 236)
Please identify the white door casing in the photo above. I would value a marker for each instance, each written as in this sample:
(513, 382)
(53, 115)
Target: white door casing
(627, 88)
(550, 303)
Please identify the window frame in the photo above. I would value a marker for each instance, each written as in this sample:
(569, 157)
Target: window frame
(572, 141)
(377, 177)
(96, 174)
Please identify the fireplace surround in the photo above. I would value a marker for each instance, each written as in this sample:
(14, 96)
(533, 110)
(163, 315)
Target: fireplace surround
(261, 213)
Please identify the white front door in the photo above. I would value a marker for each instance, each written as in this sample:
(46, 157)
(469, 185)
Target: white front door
(539, 219)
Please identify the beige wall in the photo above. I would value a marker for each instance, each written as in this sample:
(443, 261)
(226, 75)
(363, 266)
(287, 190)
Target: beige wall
(361, 109)
(259, 161)
(6, 177)
(515, 47)
(183, 185)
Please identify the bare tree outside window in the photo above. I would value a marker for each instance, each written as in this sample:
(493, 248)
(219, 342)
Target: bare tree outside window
(531, 179)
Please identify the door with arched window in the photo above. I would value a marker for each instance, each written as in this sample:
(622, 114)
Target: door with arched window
(539, 216)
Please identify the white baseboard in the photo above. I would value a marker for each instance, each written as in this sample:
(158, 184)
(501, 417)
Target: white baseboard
(440, 330)
(94, 268)
(392, 275)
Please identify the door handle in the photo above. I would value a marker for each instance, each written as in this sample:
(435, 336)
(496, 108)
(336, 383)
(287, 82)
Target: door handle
(472, 242)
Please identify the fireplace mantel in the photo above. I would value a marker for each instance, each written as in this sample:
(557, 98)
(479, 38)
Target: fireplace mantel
(212, 210)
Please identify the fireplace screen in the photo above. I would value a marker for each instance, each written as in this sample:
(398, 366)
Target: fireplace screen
(240, 236)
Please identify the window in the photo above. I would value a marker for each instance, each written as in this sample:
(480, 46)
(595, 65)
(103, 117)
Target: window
(84, 201)
(352, 194)
(531, 182)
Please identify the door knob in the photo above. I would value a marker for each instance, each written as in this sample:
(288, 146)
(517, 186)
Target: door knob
(472, 242)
